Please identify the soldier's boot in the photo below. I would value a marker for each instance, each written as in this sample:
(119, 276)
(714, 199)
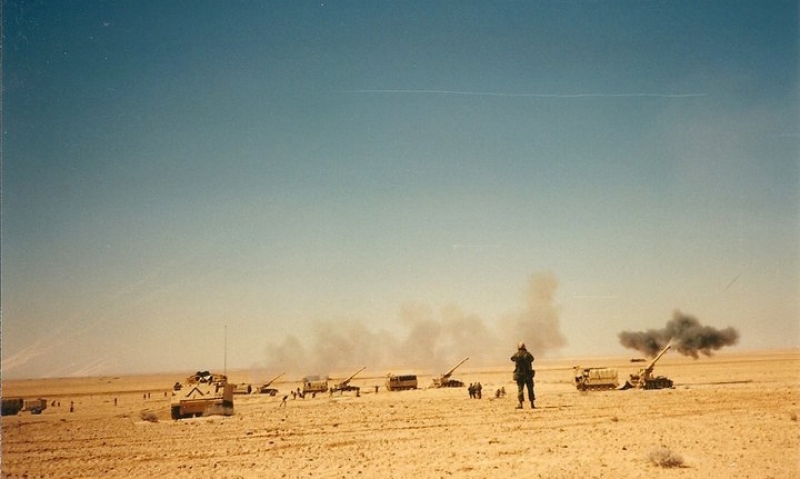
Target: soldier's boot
(532, 405)
(520, 405)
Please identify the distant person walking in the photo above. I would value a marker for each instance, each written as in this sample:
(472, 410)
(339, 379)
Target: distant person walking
(523, 374)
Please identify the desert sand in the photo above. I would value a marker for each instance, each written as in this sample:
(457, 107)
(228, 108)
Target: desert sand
(731, 415)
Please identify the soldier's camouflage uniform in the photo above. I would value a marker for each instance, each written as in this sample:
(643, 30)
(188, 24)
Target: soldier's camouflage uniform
(523, 375)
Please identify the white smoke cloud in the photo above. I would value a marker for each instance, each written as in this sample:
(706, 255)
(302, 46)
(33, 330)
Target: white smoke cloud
(431, 340)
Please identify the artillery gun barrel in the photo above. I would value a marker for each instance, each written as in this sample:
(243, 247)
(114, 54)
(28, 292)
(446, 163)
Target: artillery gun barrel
(347, 381)
(448, 373)
(268, 383)
(652, 364)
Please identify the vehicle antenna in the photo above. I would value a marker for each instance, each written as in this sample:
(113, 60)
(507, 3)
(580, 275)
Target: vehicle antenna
(225, 359)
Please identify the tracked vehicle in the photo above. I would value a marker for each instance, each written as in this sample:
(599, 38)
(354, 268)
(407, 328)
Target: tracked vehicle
(401, 382)
(595, 379)
(345, 385)
(266, 389)
(243, 388)
(203, 394)
(314, 384)
(644, 379)
(444, 380)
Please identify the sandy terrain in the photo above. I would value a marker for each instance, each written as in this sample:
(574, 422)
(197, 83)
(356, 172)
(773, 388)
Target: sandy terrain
(733, 415)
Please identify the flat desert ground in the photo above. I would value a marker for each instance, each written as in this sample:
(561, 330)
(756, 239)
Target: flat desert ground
(730, 415)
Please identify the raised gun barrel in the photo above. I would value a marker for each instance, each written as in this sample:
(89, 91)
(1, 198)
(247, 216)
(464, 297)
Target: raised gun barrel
(266, 389)
(652, 364)
(444, 380)
(347, 381)
(268, 383)
(345, 385)
(645, 380)
(448, 373)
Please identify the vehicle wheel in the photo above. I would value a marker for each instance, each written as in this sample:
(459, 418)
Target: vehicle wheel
(176, 412)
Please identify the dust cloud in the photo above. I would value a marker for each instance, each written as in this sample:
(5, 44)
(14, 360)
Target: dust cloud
(434, 340)
(688, 337)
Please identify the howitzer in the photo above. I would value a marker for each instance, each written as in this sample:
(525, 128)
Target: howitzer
(644, 379)
(345, 385)
(266, 389)
(444, 380)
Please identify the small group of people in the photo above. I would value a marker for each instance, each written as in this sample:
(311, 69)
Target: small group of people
(500, 393)
(475, 390)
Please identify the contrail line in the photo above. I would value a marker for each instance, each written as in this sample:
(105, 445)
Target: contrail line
(532, 95)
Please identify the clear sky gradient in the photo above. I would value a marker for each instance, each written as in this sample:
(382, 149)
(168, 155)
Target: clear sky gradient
(331, 176)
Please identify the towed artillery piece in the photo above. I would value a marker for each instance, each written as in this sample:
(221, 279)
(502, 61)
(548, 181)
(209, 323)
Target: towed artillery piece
(204, 394)
(345, 385)
(444, 380)
(266, 389)
(644, 379)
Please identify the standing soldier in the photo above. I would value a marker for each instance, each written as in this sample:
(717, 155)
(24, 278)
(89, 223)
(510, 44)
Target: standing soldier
(523, 374)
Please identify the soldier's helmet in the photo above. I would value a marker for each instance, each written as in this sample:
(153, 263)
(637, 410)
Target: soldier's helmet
(521, 345)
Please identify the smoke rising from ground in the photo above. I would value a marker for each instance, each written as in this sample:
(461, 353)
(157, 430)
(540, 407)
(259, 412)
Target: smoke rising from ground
(688, 337)
(433, 340)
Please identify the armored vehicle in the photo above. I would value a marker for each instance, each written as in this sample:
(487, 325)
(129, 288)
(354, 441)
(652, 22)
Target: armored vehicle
(243, 388)
(12, 406)
(401, 382)
(593, 379)
(444, 380)
(203, 395)
(644, 379)
(266, 389)
(345, 385)
(314, 384)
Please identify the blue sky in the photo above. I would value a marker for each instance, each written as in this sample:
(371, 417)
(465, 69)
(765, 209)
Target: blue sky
(323, 182)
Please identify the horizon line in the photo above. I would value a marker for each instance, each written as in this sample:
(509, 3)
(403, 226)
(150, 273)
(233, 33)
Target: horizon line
(529, 95)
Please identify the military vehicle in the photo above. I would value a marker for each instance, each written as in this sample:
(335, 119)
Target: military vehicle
(644, 379)
(205, 377)
(595, 379)
(345, 385)
(266, 389)
(203, 394)
(444, 380)
(243, 388)
(35, 406)
(12, 406)
(314, 384)
(401, 382)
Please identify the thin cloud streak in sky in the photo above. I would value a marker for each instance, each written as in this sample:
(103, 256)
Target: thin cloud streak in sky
(533, 95)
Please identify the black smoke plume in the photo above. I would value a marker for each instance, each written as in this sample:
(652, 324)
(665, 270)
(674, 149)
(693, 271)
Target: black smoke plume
(687, 335)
